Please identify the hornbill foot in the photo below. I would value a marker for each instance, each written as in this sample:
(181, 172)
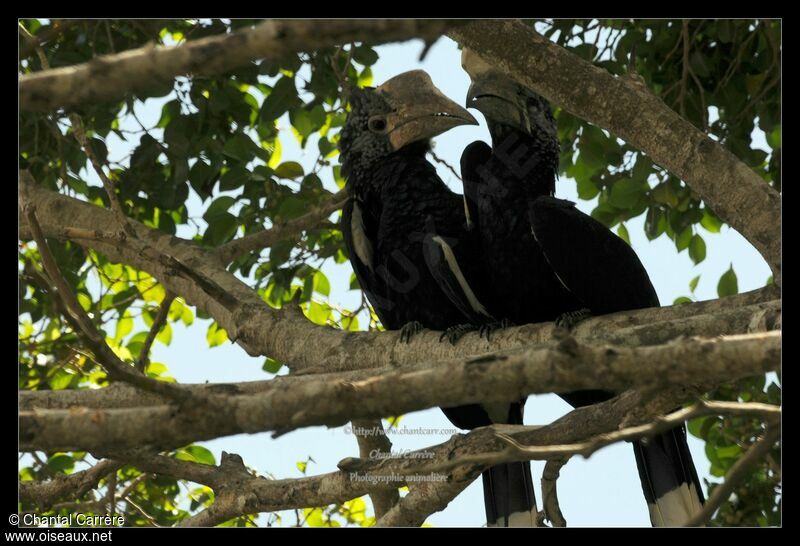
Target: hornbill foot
(409, 329)
(571, 319)
(454, 333)
(489, 329)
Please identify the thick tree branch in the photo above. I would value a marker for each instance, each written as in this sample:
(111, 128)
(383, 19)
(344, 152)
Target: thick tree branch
(191, 272)
(268, 237)
(72, 487)
(338, 398)
(110, 77)
(731, 188)
(368, 446)
(424, 499)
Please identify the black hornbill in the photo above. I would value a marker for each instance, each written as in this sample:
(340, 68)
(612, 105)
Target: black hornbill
(549, 261)
(407, 238)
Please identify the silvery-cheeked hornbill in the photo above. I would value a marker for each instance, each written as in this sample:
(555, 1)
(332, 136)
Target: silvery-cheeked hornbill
(407, 238)
(549, 261)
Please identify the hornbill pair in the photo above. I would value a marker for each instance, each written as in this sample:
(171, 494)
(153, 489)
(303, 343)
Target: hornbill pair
(505, 252)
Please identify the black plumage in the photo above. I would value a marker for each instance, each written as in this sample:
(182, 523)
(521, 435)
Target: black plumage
(550, 261)
(412, 251)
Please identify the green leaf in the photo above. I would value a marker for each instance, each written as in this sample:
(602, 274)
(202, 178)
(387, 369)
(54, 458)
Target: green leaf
(664, 195)
(697, 249)
(622, 231)
(233, 178)
(321, 284)
(220, 205)
(693, 283)
(196, 454)
(728, 283)
(365, 55)
(282, 97)
(626, 193)
(291, 207)
(354, 282)
(710, 222)
(318, 313)
(271, 365)
(239, 147)
(654, 223)
(85, 301)
(290, 170)
(61, 462)
(216, 335)
(774, 137)
(681, 300)
(682, 241)
(307, 121)
(60, 380)
(165, 335)
(124, 326)
(221, 229)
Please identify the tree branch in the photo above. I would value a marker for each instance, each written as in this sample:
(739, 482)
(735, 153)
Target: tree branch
(550, 507)
(514, 451)
(268, 237)
(191, 272)
(110, 77)
(368, 444)
(642, 120)
(72, 487)
(81, 322)
(158, 323)
(339, 398)
(423, 500)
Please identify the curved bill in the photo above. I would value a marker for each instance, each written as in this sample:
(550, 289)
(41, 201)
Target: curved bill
(494, 94)
(419, 110)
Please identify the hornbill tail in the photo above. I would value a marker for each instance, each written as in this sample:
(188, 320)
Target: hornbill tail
(669, 479)
(508, 495)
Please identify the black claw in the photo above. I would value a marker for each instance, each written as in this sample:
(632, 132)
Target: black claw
(489, 329)
(570, 319)
(454, 333)
(409, 329)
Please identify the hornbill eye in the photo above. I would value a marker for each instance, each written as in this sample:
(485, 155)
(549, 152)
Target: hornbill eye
(377, 124)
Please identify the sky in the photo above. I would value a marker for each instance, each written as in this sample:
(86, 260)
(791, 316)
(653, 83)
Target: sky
(601, 491)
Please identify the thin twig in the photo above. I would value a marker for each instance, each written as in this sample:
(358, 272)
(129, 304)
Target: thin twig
(158, 322)
(81, 321)
(515, 451)
(443, 162)
(108, 184)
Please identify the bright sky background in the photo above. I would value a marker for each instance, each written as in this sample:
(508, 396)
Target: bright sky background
(601, 491)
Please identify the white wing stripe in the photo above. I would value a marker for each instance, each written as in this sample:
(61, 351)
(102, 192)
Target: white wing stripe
(361, 242)
(452, 263)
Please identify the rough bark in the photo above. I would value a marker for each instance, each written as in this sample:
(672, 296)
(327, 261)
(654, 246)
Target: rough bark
(74, 486)
(192, 272)
(731, 188)
(111, 77)
(561, 367)
(368, 444)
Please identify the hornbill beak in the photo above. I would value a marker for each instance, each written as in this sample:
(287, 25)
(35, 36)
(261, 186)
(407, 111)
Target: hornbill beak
(420, 110)
(493, 93)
